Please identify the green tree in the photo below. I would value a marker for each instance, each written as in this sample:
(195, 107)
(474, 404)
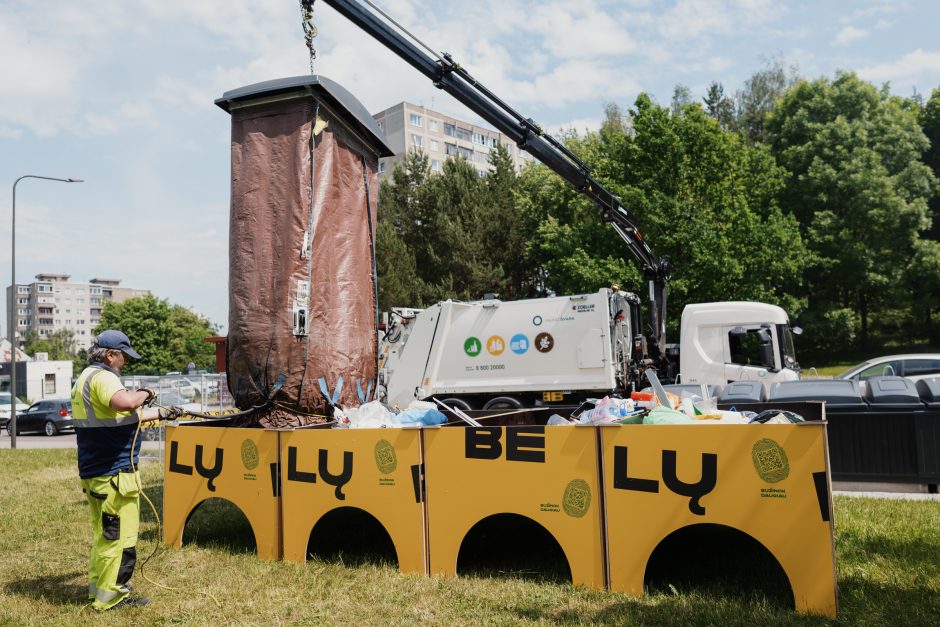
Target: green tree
(757, 98)
(930, 124)
(452, 234)
(858, 188)
(702, 198)
(168, 337)
(59, 345)
(718, 106)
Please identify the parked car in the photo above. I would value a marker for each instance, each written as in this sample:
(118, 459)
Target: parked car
(913, 366)
(50, 416)
(5, 408)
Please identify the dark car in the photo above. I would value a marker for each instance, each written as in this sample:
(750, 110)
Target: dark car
(48, 416)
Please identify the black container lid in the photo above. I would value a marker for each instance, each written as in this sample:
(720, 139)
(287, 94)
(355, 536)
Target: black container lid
(839, 394)
(892, 393)
(743, 392)
(329, 91)
(929, 391)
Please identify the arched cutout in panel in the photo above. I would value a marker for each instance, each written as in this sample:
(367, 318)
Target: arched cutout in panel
(218, 522)
(512, 545)
(353, 535)
(713, 558)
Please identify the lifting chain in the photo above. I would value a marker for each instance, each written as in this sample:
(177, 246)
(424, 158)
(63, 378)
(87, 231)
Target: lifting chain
(310, 31)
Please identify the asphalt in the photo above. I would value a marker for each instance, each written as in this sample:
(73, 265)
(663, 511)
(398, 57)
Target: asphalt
(67, 440)
(60, 440)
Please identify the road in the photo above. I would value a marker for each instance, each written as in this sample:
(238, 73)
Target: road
(61, 440)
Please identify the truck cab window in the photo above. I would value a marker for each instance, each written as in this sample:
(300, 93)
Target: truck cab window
(751, 347)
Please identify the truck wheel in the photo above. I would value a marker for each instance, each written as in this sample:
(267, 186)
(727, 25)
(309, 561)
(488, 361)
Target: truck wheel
(457, 403)
(503, 402)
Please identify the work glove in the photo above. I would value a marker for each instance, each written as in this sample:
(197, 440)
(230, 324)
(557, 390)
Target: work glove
(151, 396)
(170, 413)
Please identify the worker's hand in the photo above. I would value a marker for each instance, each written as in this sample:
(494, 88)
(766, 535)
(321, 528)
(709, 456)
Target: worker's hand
(151, 397)
(170, 413)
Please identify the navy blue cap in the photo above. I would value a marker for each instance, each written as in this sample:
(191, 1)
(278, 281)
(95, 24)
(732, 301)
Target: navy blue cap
(116, 340)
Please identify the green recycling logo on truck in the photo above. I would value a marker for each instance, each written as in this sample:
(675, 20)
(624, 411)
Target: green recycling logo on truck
(472, 346)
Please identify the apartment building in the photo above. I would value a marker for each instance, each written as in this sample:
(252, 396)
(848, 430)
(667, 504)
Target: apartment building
(52, 302)
(409, 126)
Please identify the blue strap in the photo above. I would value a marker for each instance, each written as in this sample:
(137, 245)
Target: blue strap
(326, 393)
(362, 398)
(369, 393)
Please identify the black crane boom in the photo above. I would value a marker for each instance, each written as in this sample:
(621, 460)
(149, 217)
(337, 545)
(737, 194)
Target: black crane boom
(449, 76)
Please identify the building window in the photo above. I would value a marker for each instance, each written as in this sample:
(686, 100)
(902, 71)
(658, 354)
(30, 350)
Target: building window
(44, 288)
(416, 140)
(79, 322)
(435, 165)
(453, 150)
(432, 125)
(414, 119)
(95, 301)
(22, 312)
(48, 383)
(22, 289)
(381, 167)
(433, 145)
(95, 290)
(22, 301)
(453, 130)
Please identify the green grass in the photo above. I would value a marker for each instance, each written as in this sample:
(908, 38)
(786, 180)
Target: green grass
(888, 569)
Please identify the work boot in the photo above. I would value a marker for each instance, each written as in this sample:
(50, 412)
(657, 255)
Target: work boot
(130, 601)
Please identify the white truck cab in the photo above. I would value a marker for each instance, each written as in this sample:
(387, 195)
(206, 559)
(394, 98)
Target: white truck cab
(736, 341)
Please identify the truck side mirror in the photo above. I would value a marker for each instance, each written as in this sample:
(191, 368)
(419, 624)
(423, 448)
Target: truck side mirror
(797, 330)
(738, 332)
(764, 336)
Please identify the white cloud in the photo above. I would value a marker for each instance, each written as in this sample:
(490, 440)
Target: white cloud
(849, 34)
(919, 64)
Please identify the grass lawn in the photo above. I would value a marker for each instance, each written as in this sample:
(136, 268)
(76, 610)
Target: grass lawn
(888, 568)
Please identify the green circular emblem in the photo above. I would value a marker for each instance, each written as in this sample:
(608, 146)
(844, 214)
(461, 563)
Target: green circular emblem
(770, 461)
(472, 346)
(577, 499)
(250, 454)
(385, 457)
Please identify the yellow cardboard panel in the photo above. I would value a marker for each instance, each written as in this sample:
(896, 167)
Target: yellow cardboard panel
(239, 465)
(768, 481)
(547, 474)
(375, 470)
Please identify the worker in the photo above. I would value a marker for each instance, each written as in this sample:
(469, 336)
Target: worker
(106, 417)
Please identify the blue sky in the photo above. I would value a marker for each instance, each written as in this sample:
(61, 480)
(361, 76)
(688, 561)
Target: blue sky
(120, 93)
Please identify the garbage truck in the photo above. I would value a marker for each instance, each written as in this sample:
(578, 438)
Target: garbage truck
(490, 354)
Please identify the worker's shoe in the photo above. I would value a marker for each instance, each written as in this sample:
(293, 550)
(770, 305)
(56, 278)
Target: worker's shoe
(128, 587)
(130, 601)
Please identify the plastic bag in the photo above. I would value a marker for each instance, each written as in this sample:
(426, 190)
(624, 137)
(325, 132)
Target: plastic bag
(660, 415)
(371, 415)
(556, 420)
(420, 416)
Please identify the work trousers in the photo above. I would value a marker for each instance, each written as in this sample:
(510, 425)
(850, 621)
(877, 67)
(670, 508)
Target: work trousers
(114, 509)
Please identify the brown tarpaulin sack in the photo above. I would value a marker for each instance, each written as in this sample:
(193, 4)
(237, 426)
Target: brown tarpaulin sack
(302, 291)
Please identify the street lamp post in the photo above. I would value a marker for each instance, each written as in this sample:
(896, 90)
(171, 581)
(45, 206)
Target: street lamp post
(11, 331)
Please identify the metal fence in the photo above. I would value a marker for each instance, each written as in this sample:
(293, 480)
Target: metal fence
(192, 392)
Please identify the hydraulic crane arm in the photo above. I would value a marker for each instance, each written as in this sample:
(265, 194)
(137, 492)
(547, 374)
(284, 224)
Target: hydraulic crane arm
(449, 76)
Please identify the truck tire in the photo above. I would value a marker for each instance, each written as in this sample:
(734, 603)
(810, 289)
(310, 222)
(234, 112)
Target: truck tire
(457, 403)
(503, 402)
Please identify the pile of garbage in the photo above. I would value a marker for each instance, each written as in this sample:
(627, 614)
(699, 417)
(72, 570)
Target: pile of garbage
(648, 409)
(375, 415)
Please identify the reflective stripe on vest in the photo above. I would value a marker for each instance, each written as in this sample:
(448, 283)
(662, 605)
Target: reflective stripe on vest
(91, 419)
